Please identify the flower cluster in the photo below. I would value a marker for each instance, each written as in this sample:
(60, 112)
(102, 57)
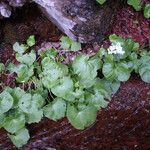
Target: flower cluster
(116, 48)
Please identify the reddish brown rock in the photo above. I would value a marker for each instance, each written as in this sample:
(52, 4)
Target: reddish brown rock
(131, 24)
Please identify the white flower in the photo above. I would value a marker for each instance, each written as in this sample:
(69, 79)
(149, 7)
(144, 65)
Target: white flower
(116, 48)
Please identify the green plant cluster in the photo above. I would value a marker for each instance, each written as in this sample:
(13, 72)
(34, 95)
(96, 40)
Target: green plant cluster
(2, 67)
(69, 44)
(119, 67)
(136, 4)
(60, 90)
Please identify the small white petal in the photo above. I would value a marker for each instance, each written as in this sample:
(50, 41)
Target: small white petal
(116, 49)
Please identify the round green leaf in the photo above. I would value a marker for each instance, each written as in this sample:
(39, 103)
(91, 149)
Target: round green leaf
(101, 1)
(24, 73)
(109, 71)
(122, 71)
(81, 119)
(86, 68)
(20, 48)
(38, 101)
(34, 116)
(147, 11)
(25, 103)
(17, 93)
(27, 59)
(65, 42)
(144, 72)
(6, 102)
(20, 138)
(64, 87)
(2, 67)
(135, 3)
(56, 109)
(14, 122)
(31, 41)
(97, 100)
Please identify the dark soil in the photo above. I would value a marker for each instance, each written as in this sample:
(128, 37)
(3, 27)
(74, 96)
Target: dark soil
(124, 125)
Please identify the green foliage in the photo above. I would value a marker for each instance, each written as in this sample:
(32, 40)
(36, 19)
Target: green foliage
(81, 118)
(144, 67)
(85, 67)
(20, 138)
(2, 67)
(17, 108)
(72, 90)
(27, 59)
(50, 52)
(32, 107)
(31, 41)
(136, 4)
(106, 88)
(68, 44)
(6, 102)
(101, 1)
(25, 70)
(52, 72)
(120, 71)
(147, 10)
(56, 109)
(64, 86)
(117, 66)
(23, 73)
(96, 99)
(14, 121)
(20, 48)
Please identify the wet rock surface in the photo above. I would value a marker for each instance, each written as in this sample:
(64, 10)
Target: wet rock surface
(124, 125)
(130, 24)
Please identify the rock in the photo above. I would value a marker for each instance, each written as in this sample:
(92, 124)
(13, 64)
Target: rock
(5, 10)
(6, 6)
(17, 3)
(84, 21)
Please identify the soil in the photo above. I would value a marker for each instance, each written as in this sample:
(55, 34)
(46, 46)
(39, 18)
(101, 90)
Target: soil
(124, 125)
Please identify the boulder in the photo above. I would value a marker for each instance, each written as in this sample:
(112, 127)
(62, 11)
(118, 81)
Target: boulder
(82, 20)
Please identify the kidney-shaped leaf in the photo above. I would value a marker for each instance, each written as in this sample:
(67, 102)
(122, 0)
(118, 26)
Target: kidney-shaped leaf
(6, 102)
(83, 118)
(20, 138)
(55, 110)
